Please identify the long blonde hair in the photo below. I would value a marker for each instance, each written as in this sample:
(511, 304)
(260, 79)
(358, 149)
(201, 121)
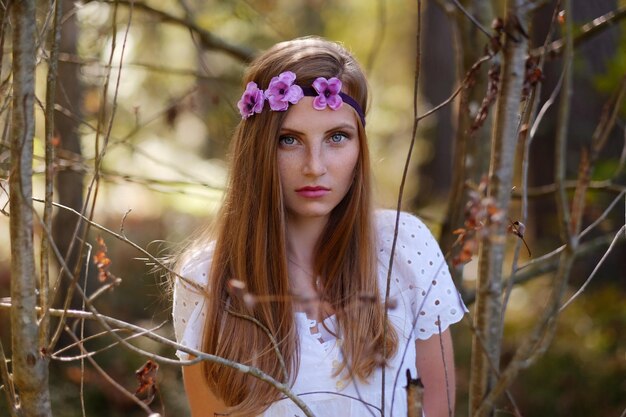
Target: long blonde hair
(250, 248)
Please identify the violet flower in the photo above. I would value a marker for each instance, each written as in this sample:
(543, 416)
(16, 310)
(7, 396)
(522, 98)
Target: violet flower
(328, 91)
(283, 91)
(251, 101)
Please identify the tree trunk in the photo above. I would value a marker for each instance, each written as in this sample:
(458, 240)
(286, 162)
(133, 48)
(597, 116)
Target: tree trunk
(30, 367)
(469, 154)
(488, 313)
(70, 179)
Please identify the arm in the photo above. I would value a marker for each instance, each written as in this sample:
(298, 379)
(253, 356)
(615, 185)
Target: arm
(433, 366)
(202, 402)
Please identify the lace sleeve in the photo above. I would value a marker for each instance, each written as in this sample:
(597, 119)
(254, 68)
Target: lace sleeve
(189, 301)
(423, 278)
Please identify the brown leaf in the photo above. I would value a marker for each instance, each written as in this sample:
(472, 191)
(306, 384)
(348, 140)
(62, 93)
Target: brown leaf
(102, 261)
(146, 376)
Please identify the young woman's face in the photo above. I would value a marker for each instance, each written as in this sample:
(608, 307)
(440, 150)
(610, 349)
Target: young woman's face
(317, 153)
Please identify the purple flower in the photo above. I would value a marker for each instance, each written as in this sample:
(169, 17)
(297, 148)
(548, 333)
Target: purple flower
(328, 91)
(251, 101)
(283, 91)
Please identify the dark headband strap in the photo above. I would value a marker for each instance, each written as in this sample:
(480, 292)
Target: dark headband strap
(310, 92)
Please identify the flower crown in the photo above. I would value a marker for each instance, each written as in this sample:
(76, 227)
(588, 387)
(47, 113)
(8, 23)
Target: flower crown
(282, 91)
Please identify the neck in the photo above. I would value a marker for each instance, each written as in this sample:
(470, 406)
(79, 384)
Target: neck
(302, 237)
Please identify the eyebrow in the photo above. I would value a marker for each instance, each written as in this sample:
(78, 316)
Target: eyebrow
(342, 126)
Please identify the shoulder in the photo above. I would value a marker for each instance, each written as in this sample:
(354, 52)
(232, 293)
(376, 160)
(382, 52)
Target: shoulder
(410, 227)
(416, 256)
(195, 265)
(420, 279)
(190, 296)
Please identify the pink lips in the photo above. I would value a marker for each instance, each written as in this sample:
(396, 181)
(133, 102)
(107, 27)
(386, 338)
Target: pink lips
(312, 192)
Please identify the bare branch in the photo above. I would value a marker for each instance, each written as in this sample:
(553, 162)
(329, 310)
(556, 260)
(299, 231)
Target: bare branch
(281, 360)
(549, 263)
(379, 35)
(106, 376)
(616, 239)
(44, 285)
(475, 21)
(460, 88)
(560, 157)
(208, 39)
(401, 190)
(8, 388)
(199, 356)
(588, 31)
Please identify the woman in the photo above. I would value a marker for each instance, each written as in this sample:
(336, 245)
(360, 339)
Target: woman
(293, 277)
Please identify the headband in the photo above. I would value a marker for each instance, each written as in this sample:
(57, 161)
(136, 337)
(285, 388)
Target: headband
(282, 91)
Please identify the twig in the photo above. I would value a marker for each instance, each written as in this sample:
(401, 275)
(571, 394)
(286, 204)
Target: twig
(199, 355)
(401, 193)
(124, 239)
(545, 190)
(548, 263)
(281, 360)
(588, 31)
(445, 367)
(56, 356)
(106, 376)
(379, 35)
(618, 235)
(255, 372)
(53, 64)
(9, 388)
(472, 18)
(460, 88)
(560, 157)
(209, 40)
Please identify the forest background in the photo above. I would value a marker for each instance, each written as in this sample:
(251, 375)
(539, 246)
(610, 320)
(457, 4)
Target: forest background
(143, 111)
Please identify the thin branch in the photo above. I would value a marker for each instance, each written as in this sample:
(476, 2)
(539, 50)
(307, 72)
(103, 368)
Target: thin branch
(475, 21)
(9, 388)
(100, 153)
(124, 239)
(379, 35)
(255, 372)
(588, 32)
(82, 341)
(560, 157)
(616, 239)
(199, 355)
(281, 360)
(460, 88)
(53, 65)
(445, 367)
(549, 263)
(106, 376)
(418, 57)
(208, 39)
(545, 190)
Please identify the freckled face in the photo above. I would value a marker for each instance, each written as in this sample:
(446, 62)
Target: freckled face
(317, 153)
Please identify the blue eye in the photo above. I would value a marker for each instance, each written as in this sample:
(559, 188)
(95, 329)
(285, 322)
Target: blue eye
(338, 137)
(286, 140)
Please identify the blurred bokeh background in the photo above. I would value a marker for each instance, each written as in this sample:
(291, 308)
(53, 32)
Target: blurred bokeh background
(172, 95)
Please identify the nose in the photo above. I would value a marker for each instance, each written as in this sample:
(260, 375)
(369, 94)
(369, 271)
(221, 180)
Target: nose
(315, 164)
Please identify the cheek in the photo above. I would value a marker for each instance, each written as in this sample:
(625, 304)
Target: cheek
(284, 167)
(351, 162)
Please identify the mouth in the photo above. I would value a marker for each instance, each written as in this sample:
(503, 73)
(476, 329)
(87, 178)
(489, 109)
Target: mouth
(313, 192)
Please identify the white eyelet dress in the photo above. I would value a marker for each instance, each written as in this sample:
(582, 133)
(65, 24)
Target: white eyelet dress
(426, 302)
